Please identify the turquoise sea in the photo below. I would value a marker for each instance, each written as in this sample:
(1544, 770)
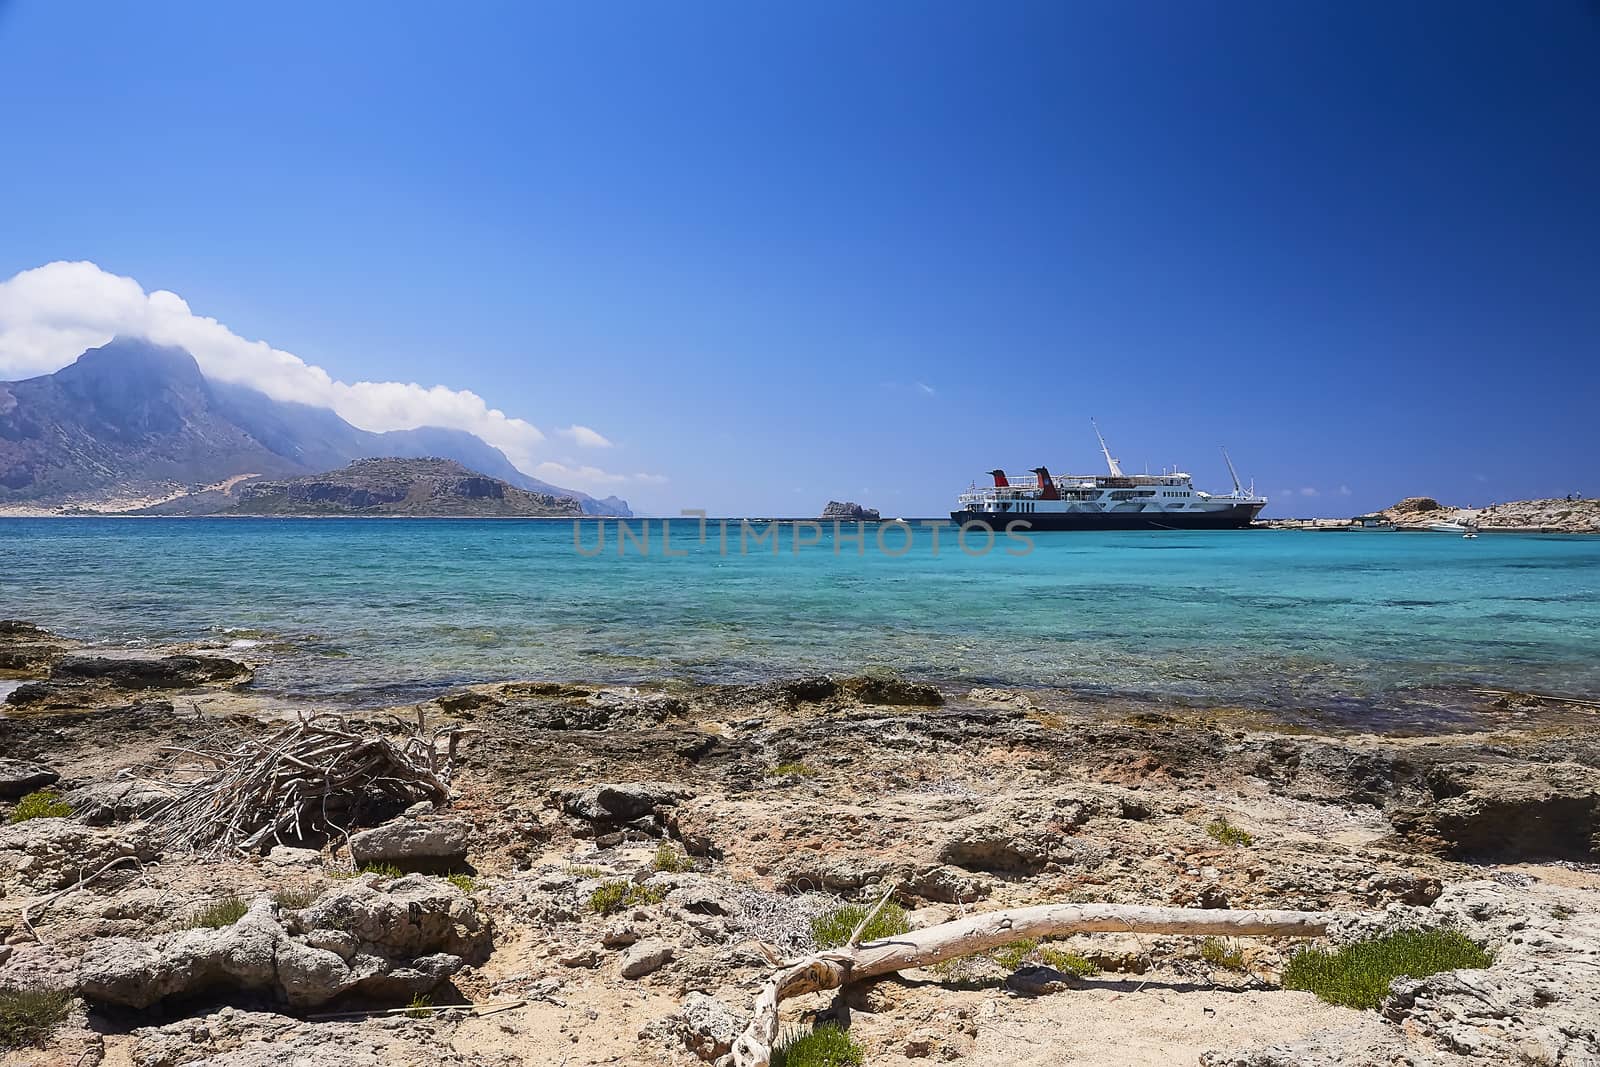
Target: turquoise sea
(381, 610)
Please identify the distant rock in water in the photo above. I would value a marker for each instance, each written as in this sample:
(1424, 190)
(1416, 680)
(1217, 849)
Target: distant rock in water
(398, 487)
(849, 510)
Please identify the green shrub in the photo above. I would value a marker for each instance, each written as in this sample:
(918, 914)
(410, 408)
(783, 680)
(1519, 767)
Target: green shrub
(832, 928)
(585, 871)
(1226, 954)
(1068, 962)
(826, 1046)
(1227, 833)
(384, 870)
(224, 912)
(464, 882)
(417, 1009)
(671, 860)
(796, 768)
(41, 804)
(615, 895)
(1358, 975)
(1014, 954)
(28, 1016)
(295, 899)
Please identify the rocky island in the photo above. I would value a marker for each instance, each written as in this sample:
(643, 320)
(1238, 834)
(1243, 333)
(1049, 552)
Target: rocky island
(849, 511)
(400, 487)
(563, 872)
(1558, 515)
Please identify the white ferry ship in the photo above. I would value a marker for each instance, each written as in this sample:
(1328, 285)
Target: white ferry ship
(1114, 501)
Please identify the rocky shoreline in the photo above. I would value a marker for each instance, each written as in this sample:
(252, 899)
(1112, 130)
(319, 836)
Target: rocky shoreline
(610, 861)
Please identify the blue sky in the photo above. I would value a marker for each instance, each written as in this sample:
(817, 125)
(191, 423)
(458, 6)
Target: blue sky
(782, 253)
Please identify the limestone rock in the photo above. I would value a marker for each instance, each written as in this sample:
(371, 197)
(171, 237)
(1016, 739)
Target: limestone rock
(891, 691)
(37, 966)
(429, 842)
(949, 885)
(610, 806)
(28, 651)
(645, 957)
(1036, 980)
(386, 944)
(168, 672)
(288, 856)
(703, 1024)
(407, 917)
(839, 873)
(1481, 811)
(120, 800)
(985, 844)
(48, 854)
(18, 779)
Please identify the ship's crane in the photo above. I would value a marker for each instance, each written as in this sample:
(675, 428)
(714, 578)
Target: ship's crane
(1111, 462)
(1238, 490)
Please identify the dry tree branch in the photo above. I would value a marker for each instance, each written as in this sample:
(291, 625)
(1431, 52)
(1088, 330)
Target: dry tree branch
(293, 782)
(981, 932)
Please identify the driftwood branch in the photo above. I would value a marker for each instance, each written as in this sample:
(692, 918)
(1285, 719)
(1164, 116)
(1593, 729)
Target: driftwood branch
(306, 781)
(979, 933)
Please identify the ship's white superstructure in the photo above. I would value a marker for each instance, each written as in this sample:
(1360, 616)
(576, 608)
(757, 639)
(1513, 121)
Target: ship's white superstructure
(1110, 501)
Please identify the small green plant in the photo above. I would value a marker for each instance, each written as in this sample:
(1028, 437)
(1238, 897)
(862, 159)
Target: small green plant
(220, 913)
(615, 895)
(1014, 953)
(418, 1008)
(464, 882)
(587, 871)
(294, 899)
(671, 860)
(1068, 962)
(832, 928)
(1358, 975)
(340, 875)
(28, 1016)
(826, 1046)
(41, 804)
(795, 768)
(1562, 911)
(1220, 952)
(1227, 833)
(383, 870)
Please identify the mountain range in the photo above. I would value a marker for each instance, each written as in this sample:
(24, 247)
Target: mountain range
(134, 421)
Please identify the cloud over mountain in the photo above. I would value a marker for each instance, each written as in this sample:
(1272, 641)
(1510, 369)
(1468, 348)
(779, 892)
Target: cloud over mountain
(51, 314)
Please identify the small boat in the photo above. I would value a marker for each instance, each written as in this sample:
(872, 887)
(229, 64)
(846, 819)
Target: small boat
(1447, 527)
(1470, 534)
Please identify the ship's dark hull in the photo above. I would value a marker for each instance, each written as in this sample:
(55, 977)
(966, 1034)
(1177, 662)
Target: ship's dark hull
(1234, 518)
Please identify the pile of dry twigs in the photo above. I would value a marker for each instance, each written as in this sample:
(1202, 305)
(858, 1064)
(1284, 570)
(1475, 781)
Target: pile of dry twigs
(314, 780)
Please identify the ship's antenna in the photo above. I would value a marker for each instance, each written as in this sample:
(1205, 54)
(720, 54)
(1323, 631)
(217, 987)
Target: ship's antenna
(1116, 469)
(1238, 490)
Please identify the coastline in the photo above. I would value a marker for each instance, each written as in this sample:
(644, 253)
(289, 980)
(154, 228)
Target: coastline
(741, 811)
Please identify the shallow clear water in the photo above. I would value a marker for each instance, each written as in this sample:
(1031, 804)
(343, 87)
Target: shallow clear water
(1262, 618)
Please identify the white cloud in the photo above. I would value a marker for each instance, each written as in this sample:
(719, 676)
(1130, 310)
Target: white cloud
(572, 474)
(49, 315)
(927, 390)
(1344, 490)
(584, 436)
(1308, 491)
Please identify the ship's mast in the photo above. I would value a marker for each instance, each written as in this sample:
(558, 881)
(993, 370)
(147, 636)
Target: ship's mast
(1111, 462)
(1238, 490)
